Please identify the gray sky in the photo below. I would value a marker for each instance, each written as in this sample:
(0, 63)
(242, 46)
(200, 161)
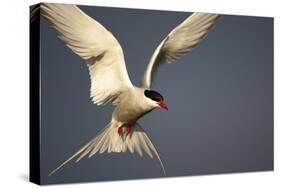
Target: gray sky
(220, 99)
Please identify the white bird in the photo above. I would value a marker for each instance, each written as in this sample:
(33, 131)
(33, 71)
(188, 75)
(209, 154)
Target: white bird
(110, 82)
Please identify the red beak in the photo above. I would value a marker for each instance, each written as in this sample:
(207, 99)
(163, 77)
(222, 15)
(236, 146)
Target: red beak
(163, 105)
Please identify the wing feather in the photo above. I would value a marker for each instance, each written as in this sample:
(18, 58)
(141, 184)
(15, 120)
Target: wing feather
(96, 45)
(179, 41)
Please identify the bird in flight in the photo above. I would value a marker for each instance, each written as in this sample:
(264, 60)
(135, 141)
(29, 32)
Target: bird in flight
(110, 82)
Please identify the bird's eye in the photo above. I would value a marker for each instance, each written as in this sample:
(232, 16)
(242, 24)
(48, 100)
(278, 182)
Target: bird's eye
(153, 95)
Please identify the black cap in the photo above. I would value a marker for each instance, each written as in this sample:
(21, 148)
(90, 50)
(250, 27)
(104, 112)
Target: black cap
(153, 95)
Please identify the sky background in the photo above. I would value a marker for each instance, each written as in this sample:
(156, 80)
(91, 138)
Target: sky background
(220, 99)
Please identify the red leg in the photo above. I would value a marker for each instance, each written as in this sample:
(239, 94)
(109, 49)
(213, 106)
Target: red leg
(120, 130)
(128, 130)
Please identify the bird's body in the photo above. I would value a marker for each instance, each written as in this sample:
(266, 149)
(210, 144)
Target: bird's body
(132, 106)
(110, 82)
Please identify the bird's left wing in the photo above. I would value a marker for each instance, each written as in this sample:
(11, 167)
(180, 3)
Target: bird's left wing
(179, 41)
(96, 45)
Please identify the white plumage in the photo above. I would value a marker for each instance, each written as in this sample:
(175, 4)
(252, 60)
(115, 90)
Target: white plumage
(178, 42)
(97, 46)
(109, 78)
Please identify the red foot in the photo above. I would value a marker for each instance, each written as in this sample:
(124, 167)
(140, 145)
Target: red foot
(128, 129)
(120, 131)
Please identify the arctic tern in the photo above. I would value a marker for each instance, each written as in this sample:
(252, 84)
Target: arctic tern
(110, 82)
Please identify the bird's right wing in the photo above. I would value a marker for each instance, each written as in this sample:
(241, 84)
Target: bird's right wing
(179, 41)
(96, 45)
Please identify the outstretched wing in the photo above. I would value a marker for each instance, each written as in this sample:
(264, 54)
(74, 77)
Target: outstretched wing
(179, 41)
(96, 45)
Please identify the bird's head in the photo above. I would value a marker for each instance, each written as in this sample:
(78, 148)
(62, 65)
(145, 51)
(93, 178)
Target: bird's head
(155, 99)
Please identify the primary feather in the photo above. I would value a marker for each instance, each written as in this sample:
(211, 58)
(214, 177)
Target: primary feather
(96, 45)
(179, 41)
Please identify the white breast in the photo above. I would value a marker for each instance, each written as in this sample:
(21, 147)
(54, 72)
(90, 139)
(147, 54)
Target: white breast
(132, 106)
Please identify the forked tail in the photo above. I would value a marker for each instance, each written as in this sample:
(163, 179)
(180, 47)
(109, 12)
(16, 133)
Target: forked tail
(109, 140)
